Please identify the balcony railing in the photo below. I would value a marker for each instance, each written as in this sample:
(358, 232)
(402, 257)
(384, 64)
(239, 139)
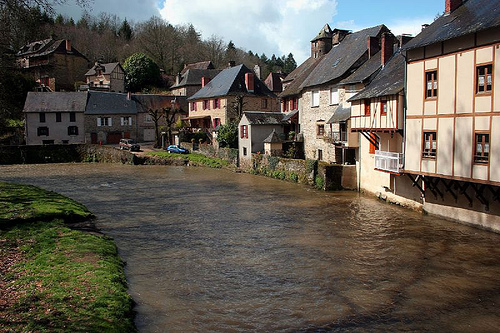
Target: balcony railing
(387, 161)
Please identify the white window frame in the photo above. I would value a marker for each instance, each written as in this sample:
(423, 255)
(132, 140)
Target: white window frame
(126, 121)
(315, 98)
(104, 121)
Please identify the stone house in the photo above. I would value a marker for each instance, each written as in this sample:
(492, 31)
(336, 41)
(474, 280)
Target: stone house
(189, 80)
(106, 77)
(233, 88)
(253, 128)
(54, 117)
(54, 64)
(110, 117)
(452, 127)
(325, 90)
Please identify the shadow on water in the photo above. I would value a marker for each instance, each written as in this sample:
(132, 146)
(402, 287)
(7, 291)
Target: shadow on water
(209, 250)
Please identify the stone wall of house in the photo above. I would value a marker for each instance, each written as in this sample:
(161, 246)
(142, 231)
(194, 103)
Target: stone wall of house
(69, 69)
(322, 175)
(130, 131)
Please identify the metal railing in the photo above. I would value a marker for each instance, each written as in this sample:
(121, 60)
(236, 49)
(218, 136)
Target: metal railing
(388, 161)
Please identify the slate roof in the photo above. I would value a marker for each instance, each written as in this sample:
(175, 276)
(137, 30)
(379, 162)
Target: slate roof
(365, 71)
(192, 77)
(342, 113)
(145, 102)
(341, 59)
(472, 16)
(289, 115)
(389, 81)
(108, 68)
(272, 138)
(198, 65)
(264, 118)
(231, 81)
(46, 47)
(110, 103)
(299, 75)
(55, 101)
(326, 32)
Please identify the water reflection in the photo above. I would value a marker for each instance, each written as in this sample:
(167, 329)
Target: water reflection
(209, 250)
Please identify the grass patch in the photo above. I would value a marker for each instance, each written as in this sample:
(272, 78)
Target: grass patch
(28, 203)
(53, 278)
(195, 159)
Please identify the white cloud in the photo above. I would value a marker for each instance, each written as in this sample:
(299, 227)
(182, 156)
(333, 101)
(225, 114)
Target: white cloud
(273, 27)
(411, 26)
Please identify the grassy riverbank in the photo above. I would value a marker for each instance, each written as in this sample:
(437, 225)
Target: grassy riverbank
(53, 278)
(194, 159)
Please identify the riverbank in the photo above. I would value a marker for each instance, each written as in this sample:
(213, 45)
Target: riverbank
(54, 276)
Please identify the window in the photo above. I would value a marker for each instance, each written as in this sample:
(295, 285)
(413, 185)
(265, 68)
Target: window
(482, 150)
(320, 130)
(264, 103)
(193, 106)
(320, 154)
(216, 122)
(334, 96)
(430, 145)
(315, 98)
(104, 121)
(285, 105)
(343, 131)
(42, 117)
(43, 131)
(431, 84)
(216, 103)
(72, 130)
(244, 151)
(58, 117)
(383, 108)
(206, 104)
(72, 117)
(367, 107)
(484, 78)
(126, 121)
(244, 131)
(295, 103)
(148, 118)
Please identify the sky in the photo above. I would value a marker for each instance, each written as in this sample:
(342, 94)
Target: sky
(271, 26)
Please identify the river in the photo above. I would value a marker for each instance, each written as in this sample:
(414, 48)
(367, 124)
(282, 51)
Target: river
(215, 251)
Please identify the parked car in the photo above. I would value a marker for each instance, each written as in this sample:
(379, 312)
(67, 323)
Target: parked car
(129, 144)
(177, 149)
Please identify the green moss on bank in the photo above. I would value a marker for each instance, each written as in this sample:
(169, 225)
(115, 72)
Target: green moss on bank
(194, 159)
(53, 278)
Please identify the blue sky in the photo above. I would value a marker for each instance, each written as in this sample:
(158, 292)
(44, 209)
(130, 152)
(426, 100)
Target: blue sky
(272, 26)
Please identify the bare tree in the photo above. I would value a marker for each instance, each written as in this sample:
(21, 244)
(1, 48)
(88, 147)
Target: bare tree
(156, 115)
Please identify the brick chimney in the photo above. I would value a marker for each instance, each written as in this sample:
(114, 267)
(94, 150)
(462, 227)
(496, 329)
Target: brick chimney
(373, 46)
(451, 5)
(387, 47)
(231, 63)
(68, 45)
(249, 82)
(204, 81)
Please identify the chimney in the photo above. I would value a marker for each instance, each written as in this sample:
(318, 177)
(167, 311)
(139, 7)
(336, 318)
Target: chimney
(387, 47)
(451, 5)
(231, 63)
(204, 81)
(178, 78)
(373, 46)
(129, 96)
(68, 45)
(424, 26)
(339, 35)
(403, 39)
(249, 82)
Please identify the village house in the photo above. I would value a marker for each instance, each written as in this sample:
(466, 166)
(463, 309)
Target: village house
(54, 64)
(106, 77)
(253, 129)
(54, 118)
(110, 117)
(452, 134)
(227, 96)
(189, 80)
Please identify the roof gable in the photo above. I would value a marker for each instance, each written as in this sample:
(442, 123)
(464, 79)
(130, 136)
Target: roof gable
(343, 57)
(108, 68)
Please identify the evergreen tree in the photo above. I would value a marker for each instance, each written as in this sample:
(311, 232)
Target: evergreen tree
(125, 31)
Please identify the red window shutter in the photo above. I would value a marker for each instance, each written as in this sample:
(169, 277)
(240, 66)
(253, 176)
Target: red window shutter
(246, 132)
(242, 134)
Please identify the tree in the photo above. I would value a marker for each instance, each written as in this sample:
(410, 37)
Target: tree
(169, 114)
(141, 71)
(156, 115)
(228, 135)
(125, 31)
(236, 108)
(290, 64)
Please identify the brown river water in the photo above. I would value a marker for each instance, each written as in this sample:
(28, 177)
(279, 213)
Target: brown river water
(215, 251)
